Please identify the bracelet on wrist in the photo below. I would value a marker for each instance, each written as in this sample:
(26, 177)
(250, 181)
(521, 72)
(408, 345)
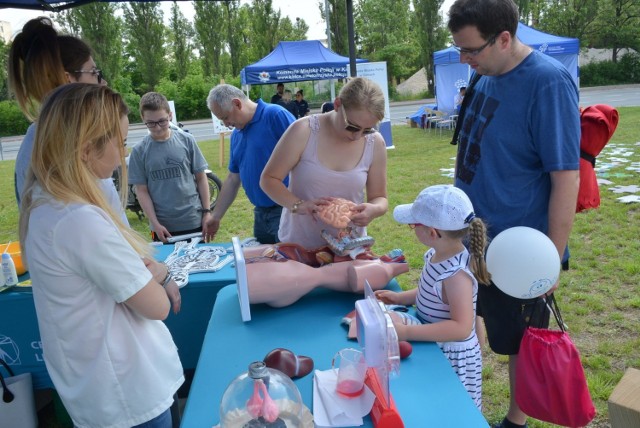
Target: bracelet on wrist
(204, 210)
(296, 205)
(167, 279)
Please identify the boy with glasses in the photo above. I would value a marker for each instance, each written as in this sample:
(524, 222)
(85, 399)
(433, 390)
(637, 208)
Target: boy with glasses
(518, 155)
(168, 171)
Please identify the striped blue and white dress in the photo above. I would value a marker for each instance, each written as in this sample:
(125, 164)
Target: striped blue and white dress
(465, 356)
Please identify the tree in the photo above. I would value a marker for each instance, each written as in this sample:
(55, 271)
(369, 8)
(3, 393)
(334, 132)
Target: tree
(337, 25)
(234, 33)
(264, 23)
(290, 31)
(431, 34)
(98, 25)
(383, 33)
(4, 52)
(210, 24)
(616, 26)
(180, 38)
(145, 46)
(568, 18)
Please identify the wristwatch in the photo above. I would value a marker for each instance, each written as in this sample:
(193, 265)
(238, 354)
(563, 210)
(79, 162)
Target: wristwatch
(296, 205)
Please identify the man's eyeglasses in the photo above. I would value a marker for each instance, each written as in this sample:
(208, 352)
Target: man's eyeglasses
(355, 128)
(161, 123)
(95, 72)
(474, 52)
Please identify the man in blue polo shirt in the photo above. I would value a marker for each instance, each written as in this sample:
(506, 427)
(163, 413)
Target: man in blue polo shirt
(258, 127)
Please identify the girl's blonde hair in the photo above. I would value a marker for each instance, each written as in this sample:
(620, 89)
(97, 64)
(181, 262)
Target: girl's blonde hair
(477, 232)
(38, 60)
(76, 117)
(362, 93)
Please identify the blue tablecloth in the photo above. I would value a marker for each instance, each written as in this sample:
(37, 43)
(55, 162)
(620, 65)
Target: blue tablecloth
(427, 392)
(20, 342)
(417, 116)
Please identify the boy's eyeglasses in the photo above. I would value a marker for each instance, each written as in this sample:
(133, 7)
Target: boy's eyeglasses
(161, 123)
(95, 72)
(355, 128)
(475, 52)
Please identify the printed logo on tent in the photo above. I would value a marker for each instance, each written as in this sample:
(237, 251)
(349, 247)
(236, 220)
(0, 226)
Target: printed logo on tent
(9, 350)
(460, 83)
(543, 47)
(264, 76)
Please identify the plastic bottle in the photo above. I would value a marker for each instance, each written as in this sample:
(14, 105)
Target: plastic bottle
(9, 270)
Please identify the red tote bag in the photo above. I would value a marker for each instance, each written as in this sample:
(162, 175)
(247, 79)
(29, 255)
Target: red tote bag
(550, 381)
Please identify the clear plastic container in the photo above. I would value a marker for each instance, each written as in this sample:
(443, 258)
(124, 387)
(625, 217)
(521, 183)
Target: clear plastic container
(263, 397)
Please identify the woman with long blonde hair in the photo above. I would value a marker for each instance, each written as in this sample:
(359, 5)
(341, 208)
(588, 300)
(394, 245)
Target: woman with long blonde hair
(100, 310)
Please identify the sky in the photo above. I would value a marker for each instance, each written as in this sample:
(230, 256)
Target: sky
(304, 9)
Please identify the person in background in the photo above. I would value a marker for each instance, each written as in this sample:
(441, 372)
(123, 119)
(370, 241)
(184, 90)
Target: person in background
(442, 217)
(100, 309)
(326, 107)
(39, 61)
(457, 100)
(162, 167)
(258, 127)
(289, 104)
(532, 133)
(303, 105)
(275, 99)
(338, 154)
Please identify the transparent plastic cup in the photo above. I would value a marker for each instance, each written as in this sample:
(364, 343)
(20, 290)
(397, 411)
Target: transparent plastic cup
(351, 368)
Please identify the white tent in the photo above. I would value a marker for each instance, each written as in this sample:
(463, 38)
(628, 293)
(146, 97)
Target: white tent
(450, 74)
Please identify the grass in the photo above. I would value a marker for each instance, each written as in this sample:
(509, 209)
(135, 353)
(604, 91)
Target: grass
(598, 295)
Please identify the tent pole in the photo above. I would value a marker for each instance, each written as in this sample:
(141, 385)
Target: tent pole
(352, 42)
(326, 14)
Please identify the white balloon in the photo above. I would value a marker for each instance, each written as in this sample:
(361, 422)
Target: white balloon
(523, 262)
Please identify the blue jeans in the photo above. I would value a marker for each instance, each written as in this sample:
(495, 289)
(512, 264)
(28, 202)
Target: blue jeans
(161, 421)
(266, 222)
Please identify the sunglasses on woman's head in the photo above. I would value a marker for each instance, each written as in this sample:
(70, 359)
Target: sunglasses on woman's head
(355, 128)
(95, 72)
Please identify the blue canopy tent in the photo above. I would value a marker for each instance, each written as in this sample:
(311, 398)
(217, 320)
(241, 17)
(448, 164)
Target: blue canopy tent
(296, 61)
(450, 74)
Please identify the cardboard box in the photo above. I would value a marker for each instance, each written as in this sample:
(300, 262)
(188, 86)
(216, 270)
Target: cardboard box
(624, 402)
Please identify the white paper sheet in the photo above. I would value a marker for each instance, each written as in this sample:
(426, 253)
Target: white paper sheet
(333, 410)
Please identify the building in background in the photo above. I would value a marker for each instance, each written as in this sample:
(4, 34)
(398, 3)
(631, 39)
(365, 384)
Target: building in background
(5, 31)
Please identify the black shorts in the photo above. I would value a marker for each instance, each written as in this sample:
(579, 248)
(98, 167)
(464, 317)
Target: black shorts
(506, 317)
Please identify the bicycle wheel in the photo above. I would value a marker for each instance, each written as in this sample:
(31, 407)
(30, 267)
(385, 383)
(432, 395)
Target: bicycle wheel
(214, 188)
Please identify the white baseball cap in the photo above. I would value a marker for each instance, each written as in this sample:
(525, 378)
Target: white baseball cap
(442, 206)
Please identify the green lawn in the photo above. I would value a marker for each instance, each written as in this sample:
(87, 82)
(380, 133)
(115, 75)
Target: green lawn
(599, 294)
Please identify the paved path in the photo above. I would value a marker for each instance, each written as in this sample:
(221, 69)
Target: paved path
(202, 130)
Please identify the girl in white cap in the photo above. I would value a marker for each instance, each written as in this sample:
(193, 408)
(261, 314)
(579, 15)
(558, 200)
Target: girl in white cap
(442, 217)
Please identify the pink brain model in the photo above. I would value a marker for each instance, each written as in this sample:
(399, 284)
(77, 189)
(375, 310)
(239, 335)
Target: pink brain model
(337, 214)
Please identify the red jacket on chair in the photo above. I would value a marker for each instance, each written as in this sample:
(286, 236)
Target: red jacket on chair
(597, 125)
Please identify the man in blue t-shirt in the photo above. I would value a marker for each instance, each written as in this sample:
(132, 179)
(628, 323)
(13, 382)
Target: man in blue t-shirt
(258, 128)
(518, 153)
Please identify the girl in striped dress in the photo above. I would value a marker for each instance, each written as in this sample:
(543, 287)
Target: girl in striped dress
(442, 218)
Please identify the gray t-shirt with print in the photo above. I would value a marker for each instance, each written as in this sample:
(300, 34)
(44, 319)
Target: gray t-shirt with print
(167, 168)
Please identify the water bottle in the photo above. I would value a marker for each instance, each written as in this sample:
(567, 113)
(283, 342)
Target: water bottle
(9, 270)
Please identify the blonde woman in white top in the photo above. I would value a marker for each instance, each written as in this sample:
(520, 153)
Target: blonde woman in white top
(110, 357)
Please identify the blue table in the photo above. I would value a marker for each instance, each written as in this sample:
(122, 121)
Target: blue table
(417, 116)
(427, 392)
(20, 342)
